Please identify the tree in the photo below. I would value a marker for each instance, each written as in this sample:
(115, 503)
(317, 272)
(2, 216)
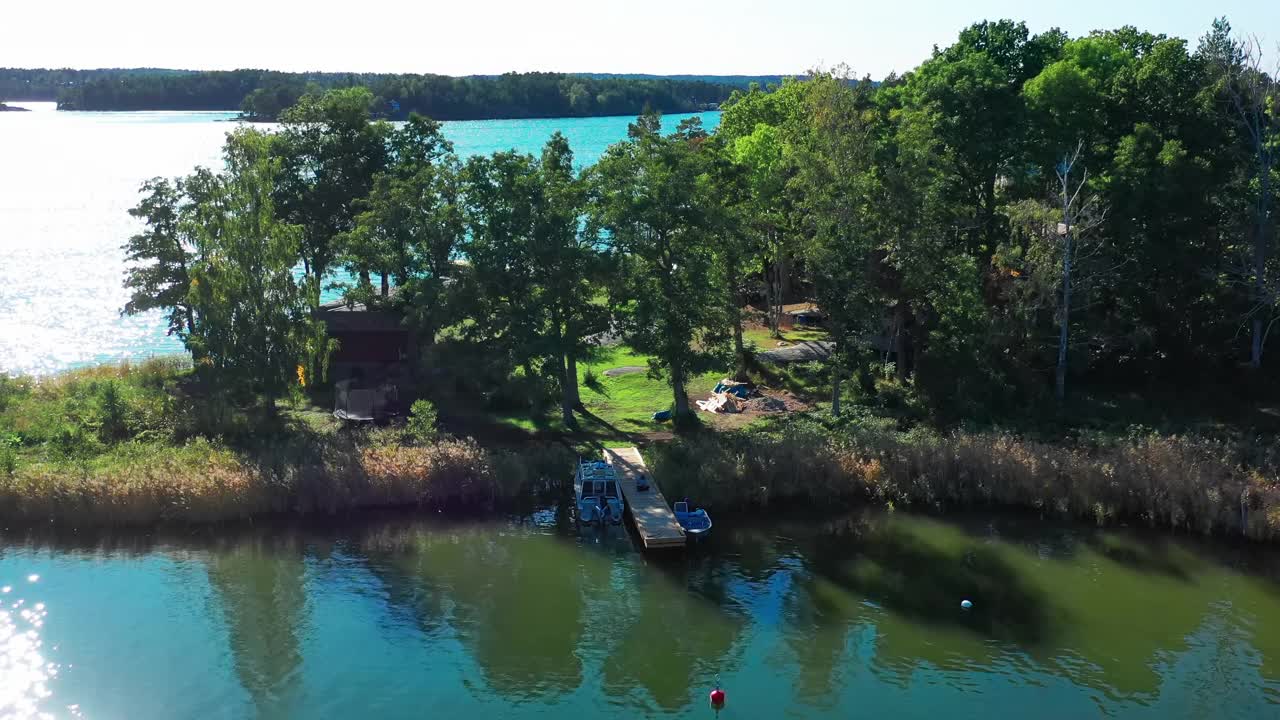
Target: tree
(835, 160)
(502, 194)
(1254, 96)
(754, 130)
(159, 257)
(410, 223)
(253, 327)
(329, 153)
(970, 97)
(1080, 215)
(567, 265)
(653, 200)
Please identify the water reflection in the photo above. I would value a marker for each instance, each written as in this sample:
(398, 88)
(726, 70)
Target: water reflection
(512, 596)
(259, 582)
(802, 617)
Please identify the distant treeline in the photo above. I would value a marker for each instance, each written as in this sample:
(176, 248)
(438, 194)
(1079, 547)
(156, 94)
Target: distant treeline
(262, 94)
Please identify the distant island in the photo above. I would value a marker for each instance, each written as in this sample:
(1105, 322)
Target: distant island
(262, 94)
(10, 108)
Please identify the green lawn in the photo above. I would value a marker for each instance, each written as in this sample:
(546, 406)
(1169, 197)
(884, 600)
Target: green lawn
(761, 338)
(616, 407)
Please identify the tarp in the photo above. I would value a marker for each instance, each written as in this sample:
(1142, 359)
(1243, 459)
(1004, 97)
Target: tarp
(737, 389)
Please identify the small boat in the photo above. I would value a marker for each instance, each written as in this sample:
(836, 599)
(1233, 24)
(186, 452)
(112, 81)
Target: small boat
(597, 500)
(696, 523)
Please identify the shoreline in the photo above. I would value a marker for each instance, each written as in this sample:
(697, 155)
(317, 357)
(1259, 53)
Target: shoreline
(133, 446)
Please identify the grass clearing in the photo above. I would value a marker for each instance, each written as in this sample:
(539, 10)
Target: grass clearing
(760, 337)
(618, 409)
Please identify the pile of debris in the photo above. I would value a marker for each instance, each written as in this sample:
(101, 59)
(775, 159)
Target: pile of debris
(736, 397)
(727, 397)
(766, 403)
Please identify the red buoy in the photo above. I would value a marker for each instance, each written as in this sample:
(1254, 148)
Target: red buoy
(717, 698)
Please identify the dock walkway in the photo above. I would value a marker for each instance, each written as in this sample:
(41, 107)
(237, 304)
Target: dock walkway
(649, 509)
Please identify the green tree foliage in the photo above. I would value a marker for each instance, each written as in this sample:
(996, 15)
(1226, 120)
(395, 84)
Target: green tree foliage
(654, 199)
(929, 216)
(411, 223)
(534, 267)
(158, 256)
(254, 327)
(329, 154)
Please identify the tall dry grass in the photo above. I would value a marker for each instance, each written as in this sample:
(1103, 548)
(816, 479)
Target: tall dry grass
(1189, 483)
(201, 482)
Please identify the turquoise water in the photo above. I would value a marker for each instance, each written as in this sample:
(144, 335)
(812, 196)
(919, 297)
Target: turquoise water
(67, 181)
(854, 616)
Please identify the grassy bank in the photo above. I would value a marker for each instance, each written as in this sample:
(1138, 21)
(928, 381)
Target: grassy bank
(130, 445)
(1182, 482)
(140, 445)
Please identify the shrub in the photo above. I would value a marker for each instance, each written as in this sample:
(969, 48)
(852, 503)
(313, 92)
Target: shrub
(423, 424)
(592, 381)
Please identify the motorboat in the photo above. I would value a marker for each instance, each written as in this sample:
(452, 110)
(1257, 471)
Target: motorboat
(696, 523)
(597, 498)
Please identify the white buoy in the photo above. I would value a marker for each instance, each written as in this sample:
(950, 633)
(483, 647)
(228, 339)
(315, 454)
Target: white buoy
(966, 604)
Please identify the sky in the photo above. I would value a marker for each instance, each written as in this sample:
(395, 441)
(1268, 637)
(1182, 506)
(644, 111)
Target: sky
(493, 36)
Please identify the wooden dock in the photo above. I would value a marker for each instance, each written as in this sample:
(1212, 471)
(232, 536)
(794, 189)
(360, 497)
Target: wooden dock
(650, 512)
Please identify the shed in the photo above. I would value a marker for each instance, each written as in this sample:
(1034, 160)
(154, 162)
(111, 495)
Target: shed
(373, 343)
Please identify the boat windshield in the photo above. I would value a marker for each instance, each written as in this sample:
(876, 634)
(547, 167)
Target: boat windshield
(682, 507)
(588, 488)
(611, 489)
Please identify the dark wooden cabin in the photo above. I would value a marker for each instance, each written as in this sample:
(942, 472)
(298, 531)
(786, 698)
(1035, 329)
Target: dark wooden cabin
(373, 344)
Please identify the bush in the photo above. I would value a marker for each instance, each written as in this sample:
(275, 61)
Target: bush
(8, 460)
(424, 424)
(592, 381)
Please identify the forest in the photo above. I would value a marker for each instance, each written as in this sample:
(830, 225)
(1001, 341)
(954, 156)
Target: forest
(1019, 214)
(263, 94)
(1045, 267)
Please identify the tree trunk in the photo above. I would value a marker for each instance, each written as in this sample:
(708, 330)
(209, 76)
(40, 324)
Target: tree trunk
(835, 390)
(739, 349)
(1065, 318)
(572, 376)
(735, 312)
(769, 301)
(681, 397)
(386, 285)
(901, 367)
(784, 277)
(1260, 263)
(568, 388)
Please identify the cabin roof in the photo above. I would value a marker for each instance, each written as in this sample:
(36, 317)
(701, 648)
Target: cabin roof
(341, 316)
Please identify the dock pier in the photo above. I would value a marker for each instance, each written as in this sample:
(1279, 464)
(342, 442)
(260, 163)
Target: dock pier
(652, 515)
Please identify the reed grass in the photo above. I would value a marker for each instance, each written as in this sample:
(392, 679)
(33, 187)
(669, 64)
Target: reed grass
(1197, 484)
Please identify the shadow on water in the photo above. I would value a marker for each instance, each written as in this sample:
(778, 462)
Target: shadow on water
(908, 575)
(1151, 552)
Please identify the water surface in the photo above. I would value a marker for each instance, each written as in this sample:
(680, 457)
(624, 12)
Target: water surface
(67, 180)
(854, 616)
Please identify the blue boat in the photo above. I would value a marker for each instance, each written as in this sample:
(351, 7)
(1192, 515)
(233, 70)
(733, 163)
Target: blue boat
(696, 523)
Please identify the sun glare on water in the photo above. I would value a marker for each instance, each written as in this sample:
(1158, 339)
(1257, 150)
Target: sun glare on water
(25, 673)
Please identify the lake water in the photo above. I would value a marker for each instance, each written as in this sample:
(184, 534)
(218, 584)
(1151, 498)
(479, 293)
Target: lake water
(67, 180)
(854, 616)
